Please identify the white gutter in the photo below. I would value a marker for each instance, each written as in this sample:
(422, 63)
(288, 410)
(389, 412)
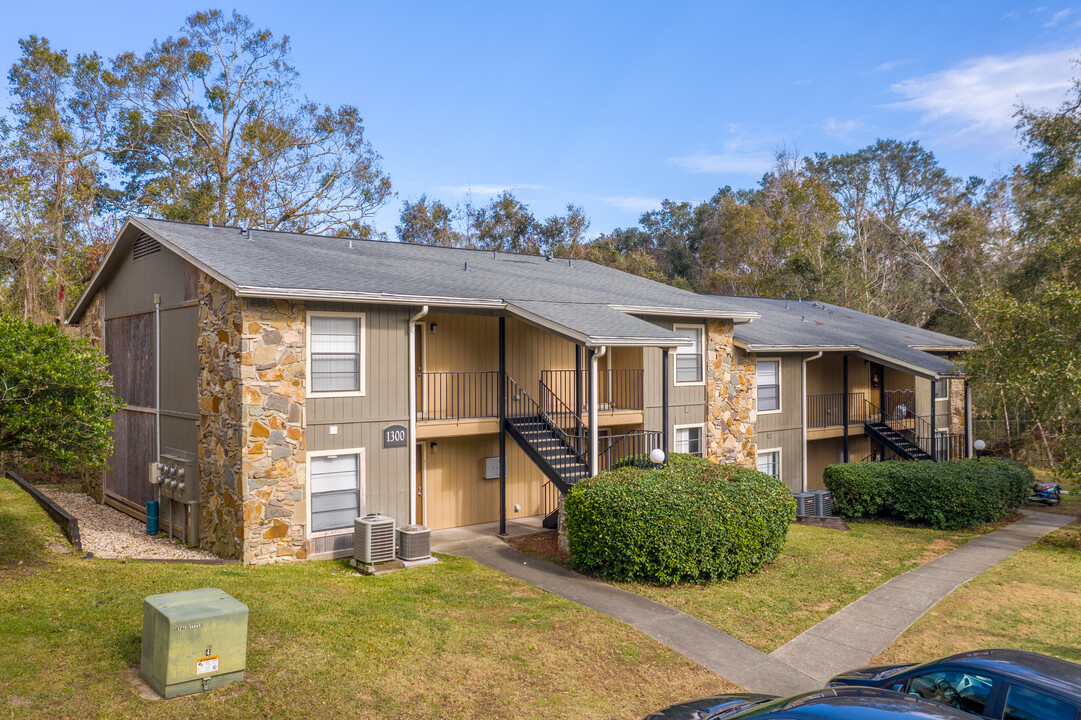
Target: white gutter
(594, 445)
(697, 312)
(803, 423)
(157, 398)
(413, 419)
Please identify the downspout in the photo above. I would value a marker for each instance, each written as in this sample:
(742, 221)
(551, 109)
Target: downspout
(803, 423)
(594, 444)
(413, 414)
(157, 400)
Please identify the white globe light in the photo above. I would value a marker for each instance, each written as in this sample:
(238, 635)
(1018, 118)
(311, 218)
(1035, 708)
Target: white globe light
(656, 456)
(979, 445)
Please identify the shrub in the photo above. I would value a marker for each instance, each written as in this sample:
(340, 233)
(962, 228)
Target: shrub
(943, 495)
(691, 521)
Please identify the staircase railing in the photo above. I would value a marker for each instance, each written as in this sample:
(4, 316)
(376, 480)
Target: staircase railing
(521, 404)
(549, 498)
(906, 422)
(615, 449)
(564, 418)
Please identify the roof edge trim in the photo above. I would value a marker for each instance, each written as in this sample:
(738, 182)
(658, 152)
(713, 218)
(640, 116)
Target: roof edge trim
(375, 298)
(653, 310)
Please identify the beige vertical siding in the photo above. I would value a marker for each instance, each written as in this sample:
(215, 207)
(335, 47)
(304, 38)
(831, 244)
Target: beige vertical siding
(821, 453)
(791, 415)
(687, 403)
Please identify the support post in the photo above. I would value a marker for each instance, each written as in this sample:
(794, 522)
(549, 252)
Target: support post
(968, 421)
(844, 403)
(594, 446)
(502, 426)
(664, 404)
(934, 454)
(882, 391)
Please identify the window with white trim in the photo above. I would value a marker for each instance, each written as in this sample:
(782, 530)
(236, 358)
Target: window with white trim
(769, 462)
(337, 363)
(769, 385)
(335, 492)
(690, 361)
(942, 388)
(689, 440)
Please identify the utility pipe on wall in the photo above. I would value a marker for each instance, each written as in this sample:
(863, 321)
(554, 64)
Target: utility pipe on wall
(594, 444)
(803, 424)
(157, 401)
(413, 416)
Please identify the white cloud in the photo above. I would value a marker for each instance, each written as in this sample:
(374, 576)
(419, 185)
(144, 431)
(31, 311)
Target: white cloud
(1060, 15)
(887, 66)
(841, 129)
(632, 203)
(487, 189)
(742, 153)
(978, 97)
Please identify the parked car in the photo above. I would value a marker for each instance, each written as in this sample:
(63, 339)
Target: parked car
(840, 703)
(996, 684)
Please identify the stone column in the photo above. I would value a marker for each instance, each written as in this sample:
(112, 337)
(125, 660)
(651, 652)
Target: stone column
(957, 406)
(221, 484)
(272, 369)
(730, 398)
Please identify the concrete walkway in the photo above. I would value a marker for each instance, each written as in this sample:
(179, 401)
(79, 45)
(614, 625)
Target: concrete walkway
(847, 639)
(853, 635)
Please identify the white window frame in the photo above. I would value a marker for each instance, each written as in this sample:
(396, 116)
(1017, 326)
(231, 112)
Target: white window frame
(945, 386)
(361, 472)
(701, 329)
(361, 360)
(780, 460)
(780, 366)
(702, 437)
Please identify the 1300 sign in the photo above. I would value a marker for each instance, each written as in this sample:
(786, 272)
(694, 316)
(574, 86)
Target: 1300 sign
(395, 436)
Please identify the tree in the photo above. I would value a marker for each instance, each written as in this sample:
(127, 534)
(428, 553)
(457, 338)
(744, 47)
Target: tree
(214, 131)
(56, 397)
(50, 172)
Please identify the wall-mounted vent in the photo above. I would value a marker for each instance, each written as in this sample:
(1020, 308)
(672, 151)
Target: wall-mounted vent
(144, 246)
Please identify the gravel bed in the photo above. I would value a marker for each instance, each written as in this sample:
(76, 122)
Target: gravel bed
(109, 533)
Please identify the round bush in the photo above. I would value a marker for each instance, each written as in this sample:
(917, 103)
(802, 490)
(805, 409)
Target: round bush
(943, 495)
(691, 521)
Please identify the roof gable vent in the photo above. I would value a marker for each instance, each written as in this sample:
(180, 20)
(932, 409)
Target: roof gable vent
(144, 246)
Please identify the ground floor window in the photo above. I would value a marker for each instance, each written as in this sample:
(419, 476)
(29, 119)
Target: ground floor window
(689, 439)
(769, 462)
(335, 491)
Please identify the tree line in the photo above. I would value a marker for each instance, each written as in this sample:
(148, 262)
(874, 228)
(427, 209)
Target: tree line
(211, 125)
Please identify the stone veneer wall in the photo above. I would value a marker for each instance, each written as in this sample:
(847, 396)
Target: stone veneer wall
(92, 327)
(272, 368)
(221, 483)
(957, 407)
(731, 398)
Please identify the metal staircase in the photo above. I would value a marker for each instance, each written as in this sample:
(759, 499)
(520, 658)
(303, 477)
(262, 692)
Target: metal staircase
(559, 453)
(895, 441)
(907, 436)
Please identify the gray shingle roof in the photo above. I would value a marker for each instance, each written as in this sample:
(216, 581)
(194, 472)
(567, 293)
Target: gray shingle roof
(573, 297)
(809, 325)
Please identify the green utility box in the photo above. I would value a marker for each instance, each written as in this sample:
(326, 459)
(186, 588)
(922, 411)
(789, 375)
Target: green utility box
(193, 641)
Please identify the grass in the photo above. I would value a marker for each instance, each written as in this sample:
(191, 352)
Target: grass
(1029, 602)
(819, 572)
(1071, 502)
(448, 640)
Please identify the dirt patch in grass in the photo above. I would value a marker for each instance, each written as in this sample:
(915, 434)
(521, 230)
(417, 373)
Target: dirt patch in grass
(449, 640)
(542, 545)
(1028, 601)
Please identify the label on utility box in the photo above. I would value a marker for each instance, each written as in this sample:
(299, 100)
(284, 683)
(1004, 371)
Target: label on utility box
(206, 665)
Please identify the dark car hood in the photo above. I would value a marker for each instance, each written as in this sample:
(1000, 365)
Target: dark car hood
(870, 673)
(707, 707)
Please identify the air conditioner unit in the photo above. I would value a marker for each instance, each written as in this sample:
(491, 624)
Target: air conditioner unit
(805, 503)
(373, 539)
(414, 542)
(823, 503)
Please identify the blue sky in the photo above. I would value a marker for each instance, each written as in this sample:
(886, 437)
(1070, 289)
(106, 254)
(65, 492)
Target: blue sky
(617, 105)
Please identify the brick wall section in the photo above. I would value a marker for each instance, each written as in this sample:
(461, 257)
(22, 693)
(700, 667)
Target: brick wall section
(731, 398)
(92, 327)
(273, 367)
(221, 483)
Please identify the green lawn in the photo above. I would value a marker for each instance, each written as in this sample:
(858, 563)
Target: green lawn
(819, 572)
(450, 640)
(1028, 601)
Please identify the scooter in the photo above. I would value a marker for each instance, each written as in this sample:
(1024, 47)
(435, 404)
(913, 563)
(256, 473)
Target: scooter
(1046, 493)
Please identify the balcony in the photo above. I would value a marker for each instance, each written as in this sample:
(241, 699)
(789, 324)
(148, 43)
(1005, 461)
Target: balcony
(619, 393)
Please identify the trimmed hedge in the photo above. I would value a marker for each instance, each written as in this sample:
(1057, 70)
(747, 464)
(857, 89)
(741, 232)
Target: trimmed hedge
(691, 521)
(943, 495)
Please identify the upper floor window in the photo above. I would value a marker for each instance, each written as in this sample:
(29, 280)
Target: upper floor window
(942, 388)
(769, 385)
(690, 361)
(336, 345)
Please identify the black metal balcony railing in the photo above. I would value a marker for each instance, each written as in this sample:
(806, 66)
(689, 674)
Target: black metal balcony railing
(827, 410)
(615, 449)
(616, 389)
(457, 395)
